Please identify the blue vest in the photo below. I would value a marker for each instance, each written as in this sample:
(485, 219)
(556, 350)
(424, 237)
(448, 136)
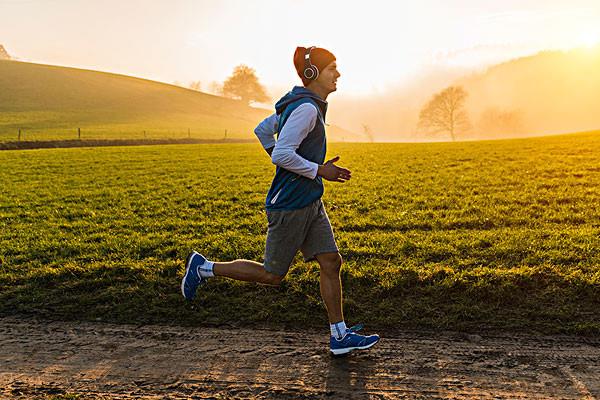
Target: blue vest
(290, 191)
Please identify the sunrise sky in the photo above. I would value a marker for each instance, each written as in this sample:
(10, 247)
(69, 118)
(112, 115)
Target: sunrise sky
(377, 43)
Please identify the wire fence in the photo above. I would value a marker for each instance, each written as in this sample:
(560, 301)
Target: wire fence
(82, 133)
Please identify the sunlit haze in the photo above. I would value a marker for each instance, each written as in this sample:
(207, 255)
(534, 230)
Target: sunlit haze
(377, 43)
(527, 67)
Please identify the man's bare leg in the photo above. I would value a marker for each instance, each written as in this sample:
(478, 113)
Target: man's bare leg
(246, 270)
(331, 285)
(343, 339)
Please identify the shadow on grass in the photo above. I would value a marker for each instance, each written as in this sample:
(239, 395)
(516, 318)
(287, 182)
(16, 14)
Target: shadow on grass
(541, 299)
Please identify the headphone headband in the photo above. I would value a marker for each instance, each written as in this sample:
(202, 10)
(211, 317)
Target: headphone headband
(310, 71)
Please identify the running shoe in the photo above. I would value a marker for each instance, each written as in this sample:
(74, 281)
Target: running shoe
(351, 341)
(192, 279)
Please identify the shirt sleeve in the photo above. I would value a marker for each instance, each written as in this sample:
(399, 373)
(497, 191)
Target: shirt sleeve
(300, 122)
(265, 131)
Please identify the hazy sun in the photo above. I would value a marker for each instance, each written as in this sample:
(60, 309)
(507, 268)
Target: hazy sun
(588, 38)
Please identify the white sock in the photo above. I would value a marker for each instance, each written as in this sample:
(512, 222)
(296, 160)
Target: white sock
(206, 270)
(338, 330)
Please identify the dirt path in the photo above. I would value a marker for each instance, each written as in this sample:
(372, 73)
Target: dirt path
(97, 360)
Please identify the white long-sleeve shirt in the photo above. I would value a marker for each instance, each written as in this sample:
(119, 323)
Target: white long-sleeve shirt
(298, 125)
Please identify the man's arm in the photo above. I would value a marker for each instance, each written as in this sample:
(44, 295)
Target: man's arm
(300, 122)
(265, 132)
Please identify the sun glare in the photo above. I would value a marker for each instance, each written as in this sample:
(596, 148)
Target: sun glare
(589, 38)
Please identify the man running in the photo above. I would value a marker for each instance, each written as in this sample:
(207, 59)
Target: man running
(295, 213)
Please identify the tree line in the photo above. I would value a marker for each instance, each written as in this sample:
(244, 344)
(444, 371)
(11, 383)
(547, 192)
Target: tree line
(444, 114)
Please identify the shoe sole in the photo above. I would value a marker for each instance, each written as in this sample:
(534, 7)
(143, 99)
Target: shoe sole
(337, 352)
(187, 269)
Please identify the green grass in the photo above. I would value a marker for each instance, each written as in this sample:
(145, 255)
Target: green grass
(479, 235)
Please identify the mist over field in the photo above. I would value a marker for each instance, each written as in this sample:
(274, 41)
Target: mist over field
(546, 93)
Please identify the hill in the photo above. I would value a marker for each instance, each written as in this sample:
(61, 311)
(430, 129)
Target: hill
(48, 100)
(550, 92)
(51, 102)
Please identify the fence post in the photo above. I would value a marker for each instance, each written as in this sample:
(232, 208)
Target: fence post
(79, 133)
(19, 134)
(144, 134)
(189, 134)
(225, 134)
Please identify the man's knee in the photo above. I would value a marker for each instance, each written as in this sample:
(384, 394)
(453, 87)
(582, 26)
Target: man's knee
(330, 263)
(272, 279)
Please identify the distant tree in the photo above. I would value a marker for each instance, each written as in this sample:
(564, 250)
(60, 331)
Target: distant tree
(194, 85)
(215, 88)
(243, 84)
(4, 54)
(495, 122)
(368, 132)
(445, 112)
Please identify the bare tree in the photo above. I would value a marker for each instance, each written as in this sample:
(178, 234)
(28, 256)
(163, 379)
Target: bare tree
(194, 85)
(368, 132)
(4, 54)
(445, 112)
(243, 84)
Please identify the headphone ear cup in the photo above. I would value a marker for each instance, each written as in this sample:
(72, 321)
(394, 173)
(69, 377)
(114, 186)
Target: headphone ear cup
(311, 72)
(308, 73)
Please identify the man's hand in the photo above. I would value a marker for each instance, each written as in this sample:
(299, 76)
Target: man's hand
(332, 172)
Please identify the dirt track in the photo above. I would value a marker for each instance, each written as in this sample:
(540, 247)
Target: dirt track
(97, 360)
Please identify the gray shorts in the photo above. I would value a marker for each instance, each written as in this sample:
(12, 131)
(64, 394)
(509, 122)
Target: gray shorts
(307, 229)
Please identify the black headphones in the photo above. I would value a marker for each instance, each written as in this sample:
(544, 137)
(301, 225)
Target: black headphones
(310, 71)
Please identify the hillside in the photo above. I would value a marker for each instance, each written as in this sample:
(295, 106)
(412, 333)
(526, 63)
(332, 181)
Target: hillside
(51, 102)
(550, 92)
(46, 100)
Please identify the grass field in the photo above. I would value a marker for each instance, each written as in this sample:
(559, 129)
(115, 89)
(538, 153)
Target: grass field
(480, 235)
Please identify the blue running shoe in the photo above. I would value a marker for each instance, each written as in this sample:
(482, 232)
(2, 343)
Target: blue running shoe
(351, 341)
(192, 279)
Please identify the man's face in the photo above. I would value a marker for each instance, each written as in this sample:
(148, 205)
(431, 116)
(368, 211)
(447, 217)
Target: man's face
(328, 77)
